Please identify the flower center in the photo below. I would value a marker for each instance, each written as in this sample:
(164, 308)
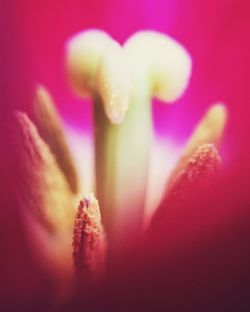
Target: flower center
(122, 81)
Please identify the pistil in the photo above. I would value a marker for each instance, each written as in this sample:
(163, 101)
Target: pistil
(122, 82)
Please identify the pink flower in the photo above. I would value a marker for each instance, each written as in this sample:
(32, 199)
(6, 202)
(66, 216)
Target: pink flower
(201, 258)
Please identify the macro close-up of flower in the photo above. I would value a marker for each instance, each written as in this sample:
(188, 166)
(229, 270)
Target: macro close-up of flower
(124, 155)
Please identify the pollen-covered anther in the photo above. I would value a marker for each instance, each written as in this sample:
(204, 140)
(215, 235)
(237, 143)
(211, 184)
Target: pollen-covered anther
(191, 182)
(97, 67)
(197, 173)
(209, 131)
(89, 242)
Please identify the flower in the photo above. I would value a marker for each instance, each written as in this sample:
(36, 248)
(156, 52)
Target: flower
(239, 198)
(47, 179)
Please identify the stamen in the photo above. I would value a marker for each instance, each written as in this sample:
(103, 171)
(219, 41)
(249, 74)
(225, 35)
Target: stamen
(193, 179)
(209, 130)
(89, 244)
(43, 188)
(204, 163)
(50, 128)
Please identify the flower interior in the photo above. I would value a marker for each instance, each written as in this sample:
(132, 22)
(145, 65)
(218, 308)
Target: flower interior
(82, 233)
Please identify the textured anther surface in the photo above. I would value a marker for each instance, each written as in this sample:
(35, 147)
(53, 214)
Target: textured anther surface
(89, 242)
